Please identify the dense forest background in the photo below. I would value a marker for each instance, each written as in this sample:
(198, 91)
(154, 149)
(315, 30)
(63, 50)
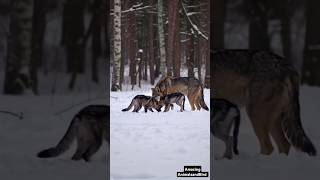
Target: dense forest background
(52, 46)
(286, 27)
(155, 38)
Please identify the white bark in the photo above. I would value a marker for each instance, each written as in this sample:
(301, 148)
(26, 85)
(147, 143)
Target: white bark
(117, 47)
(17, 76)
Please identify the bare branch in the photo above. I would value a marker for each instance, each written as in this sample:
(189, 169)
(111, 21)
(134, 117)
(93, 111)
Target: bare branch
(194, 27)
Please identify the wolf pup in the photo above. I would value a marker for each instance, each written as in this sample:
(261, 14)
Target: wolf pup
(267, 85)
(90, 126)
(224, 114)
(189, 86)
(169, 99)
(140, 101)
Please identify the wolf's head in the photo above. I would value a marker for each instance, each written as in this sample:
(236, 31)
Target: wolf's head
(161, 87)
(155, 103)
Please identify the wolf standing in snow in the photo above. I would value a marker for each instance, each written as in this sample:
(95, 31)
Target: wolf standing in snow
(169, 99)
(90, 126)
(267, 85)
(189, 86)
(224, 114)
(140, 101)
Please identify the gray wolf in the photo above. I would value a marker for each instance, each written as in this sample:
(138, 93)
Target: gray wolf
(189, 86)
(267, 85)
(140, 101)
(89, 126)
(169, 99)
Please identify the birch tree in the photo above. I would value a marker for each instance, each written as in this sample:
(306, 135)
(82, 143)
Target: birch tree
(116, 86)
(17, 75)
(161, 39)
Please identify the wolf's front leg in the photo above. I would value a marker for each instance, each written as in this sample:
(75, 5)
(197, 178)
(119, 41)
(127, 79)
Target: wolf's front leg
(167, 108)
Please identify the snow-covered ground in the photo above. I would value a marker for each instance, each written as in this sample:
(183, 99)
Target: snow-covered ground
(156, 145)
(250, 165)
(40, 128)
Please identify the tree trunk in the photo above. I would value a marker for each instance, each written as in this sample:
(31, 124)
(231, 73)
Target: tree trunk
(125, 30)
(73, 37)
(144, 46)
(96, 39)
(38, 30)
(197, 58)
(219, 8)
(151, 44)
(116, 86)
(207, 48)
(258, 28)
(106, 17)
(173, 61)
(17, 72)
(311, 63)
(140, 52)
(286, 29)
(132, 48)
(107, 38)
(190, 52)
(161, 35)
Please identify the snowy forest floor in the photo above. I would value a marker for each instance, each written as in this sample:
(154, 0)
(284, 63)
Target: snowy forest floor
(40, 128)
(250, 165)
(157, 145)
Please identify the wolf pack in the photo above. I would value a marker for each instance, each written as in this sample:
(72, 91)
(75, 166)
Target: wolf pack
(263, 83)
(91, 125)
(170, 90)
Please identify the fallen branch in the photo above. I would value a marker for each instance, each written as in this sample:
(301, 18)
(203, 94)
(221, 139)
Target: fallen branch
(17, 115)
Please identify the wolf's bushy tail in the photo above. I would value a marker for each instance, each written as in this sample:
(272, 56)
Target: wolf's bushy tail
(64, 143)
(202, 103)
(236, 131)
(291, 124)
(129, 107)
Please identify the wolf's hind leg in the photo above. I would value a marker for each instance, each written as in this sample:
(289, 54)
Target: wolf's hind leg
(91, 150)
(259, 117)
(279, 137)
(197, 103)
(191, 101)
(81, 149)
(229, 144)
(136, 108)
(228, 141)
